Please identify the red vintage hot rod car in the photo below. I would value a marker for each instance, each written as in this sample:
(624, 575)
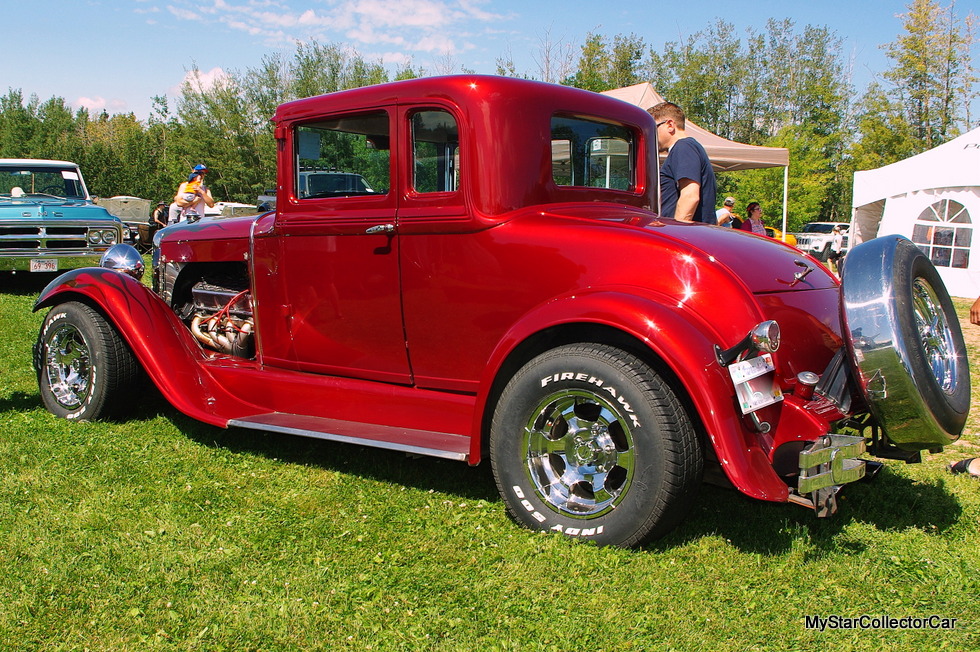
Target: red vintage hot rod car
(500, 286)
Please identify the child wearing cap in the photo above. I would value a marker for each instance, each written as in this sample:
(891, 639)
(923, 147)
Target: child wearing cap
(193, 196)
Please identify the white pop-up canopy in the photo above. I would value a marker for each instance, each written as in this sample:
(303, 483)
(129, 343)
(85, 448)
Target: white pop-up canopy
(725, 155)
(932, 199)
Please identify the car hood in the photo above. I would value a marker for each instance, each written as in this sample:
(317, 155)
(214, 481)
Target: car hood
(51, 208)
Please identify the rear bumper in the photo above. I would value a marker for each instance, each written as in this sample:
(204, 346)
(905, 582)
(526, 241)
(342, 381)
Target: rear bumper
(826, 465)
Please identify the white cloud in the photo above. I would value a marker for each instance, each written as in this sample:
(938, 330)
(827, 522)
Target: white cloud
(201, 81)
(409, 25)
(99, 104)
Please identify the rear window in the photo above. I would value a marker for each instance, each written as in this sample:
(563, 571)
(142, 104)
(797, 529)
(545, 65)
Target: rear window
(592, 154)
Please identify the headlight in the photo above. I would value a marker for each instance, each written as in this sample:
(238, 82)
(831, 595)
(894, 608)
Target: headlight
(123, 258)
(95, 237)
(108, 237)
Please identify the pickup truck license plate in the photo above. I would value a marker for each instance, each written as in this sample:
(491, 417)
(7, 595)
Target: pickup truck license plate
(44, 264)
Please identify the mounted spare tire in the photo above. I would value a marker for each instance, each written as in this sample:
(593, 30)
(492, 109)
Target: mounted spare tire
(905, 343)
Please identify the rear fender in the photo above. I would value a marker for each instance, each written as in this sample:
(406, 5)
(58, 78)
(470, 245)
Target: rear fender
(164, 347)
(685, 343)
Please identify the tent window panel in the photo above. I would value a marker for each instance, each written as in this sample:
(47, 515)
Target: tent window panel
(921, 235)
(943, 237)
(956, 212)
(961, 258)
(941, 256)
(963, 237)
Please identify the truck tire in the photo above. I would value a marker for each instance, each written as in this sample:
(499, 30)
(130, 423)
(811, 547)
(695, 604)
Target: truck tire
(84, 369)
(588, 441)
(906, 343)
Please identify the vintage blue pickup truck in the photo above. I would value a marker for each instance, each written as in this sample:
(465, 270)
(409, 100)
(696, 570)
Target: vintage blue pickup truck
(48, 221)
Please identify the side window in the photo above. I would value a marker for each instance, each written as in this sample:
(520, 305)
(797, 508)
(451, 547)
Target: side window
(435, 151)
(343, 157)
(592, 154)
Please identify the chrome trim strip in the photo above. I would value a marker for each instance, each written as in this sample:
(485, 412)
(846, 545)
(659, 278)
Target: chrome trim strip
(256, 424)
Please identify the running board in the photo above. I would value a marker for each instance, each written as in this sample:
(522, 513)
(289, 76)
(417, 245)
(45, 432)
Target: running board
(406, 440)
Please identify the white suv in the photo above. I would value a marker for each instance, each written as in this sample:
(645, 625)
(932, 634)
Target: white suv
(816, 238)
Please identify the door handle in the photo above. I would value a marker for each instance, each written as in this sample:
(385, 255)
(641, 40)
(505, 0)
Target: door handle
(381, 228)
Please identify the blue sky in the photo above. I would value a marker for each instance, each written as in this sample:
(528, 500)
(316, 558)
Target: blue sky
(118, 54)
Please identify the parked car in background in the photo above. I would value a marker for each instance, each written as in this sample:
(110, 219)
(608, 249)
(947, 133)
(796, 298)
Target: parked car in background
(320, 183)
(48, 221)
(816, 238)
(229, 209)
(776, 234)
(500, 288)
(135, 215)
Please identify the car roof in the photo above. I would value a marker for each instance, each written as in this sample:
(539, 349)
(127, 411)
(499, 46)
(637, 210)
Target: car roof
(36, 162)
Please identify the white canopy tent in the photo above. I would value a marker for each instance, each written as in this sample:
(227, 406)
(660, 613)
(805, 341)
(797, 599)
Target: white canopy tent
(725, 155)
(930, 199)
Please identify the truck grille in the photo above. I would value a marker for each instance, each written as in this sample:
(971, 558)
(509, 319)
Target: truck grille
(42, 237)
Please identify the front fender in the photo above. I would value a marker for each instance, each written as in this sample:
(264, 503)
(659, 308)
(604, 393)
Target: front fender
(161, 343)
(685, 343)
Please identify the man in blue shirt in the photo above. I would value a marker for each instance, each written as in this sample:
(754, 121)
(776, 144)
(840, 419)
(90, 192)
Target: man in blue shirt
(687, 181)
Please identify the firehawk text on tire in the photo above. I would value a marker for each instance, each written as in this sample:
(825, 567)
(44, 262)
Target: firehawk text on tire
(589, 441)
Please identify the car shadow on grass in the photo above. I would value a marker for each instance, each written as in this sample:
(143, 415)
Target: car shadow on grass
(20, 402)
(888, 503)
(25, 284)
(417, 472)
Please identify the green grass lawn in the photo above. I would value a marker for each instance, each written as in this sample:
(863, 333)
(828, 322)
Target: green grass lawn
(162, 533)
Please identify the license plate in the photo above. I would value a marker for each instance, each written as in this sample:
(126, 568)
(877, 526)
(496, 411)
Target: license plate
(44, 264)
(755, 384)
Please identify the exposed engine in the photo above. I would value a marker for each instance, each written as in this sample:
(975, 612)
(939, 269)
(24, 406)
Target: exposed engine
(219, 314)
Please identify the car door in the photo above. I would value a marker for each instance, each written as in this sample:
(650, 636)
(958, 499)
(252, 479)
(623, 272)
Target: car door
(338, 258)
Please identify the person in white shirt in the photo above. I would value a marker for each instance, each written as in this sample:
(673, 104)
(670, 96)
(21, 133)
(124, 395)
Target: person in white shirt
(725, 215)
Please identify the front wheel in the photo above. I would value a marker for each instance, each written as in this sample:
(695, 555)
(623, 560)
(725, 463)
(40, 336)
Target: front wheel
(84, 369)
(588, 441)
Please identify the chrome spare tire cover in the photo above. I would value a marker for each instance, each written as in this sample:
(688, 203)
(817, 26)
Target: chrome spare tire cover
(905, 343)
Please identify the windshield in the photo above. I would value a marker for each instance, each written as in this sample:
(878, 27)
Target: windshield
(22, 181)
(818, 228)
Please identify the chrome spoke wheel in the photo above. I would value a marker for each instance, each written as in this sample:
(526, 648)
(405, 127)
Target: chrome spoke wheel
(68, 366)
(579, 453)
(937, 339)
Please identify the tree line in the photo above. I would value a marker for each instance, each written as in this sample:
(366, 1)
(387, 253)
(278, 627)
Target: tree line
(779, 85)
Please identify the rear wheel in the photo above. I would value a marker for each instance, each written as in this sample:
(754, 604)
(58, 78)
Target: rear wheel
(84, 369)
(588, 441)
